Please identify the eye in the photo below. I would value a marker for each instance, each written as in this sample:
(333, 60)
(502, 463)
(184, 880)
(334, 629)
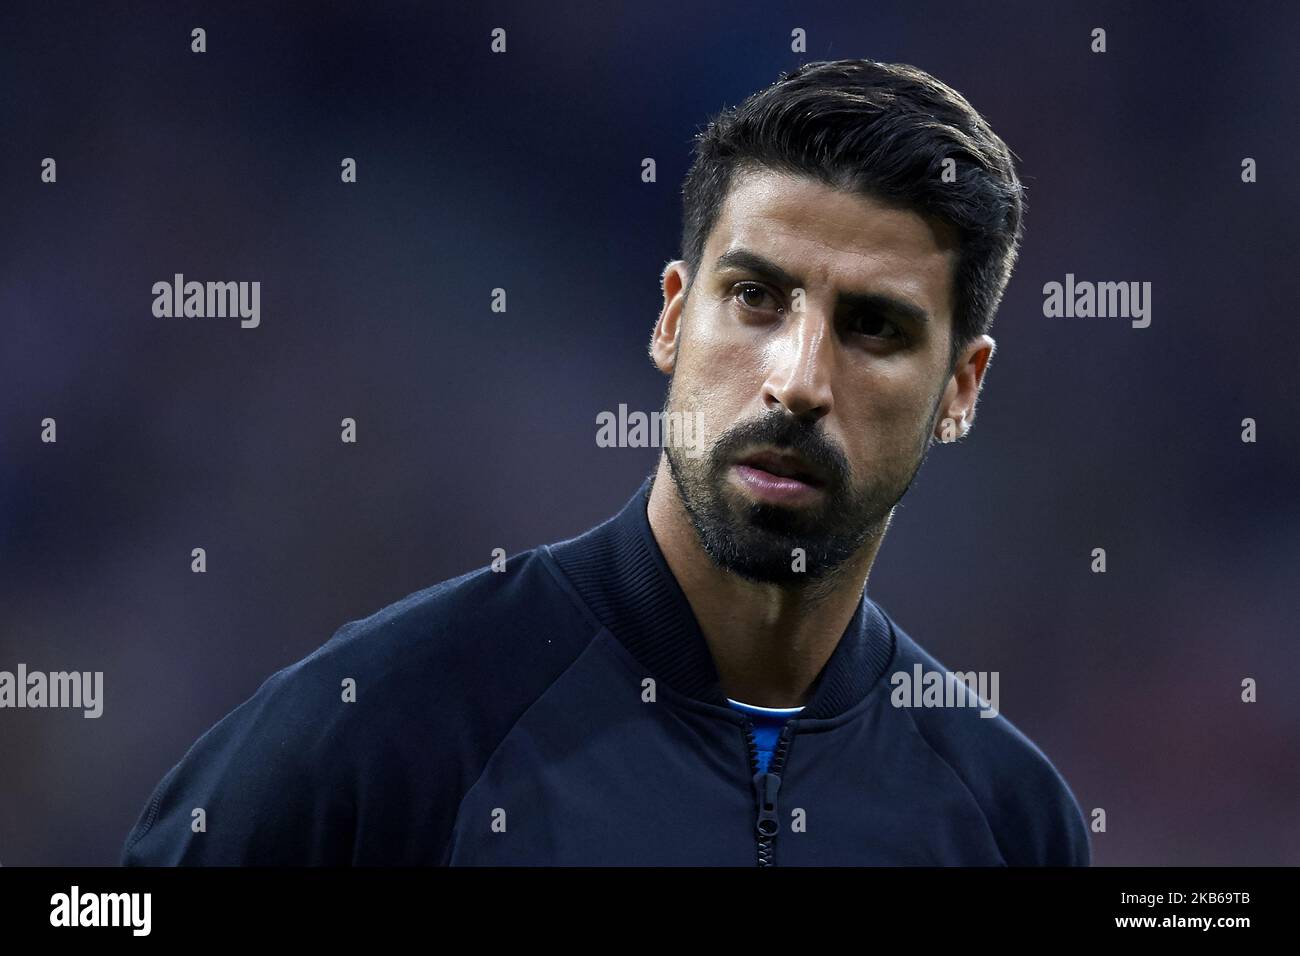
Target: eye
(750, 295)
(876, 327)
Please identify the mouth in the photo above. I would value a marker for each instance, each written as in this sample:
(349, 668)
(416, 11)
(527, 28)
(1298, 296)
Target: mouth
(778, 476)
(782, 465)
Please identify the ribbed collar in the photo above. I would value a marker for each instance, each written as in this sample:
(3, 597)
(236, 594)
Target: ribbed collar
(620, 573)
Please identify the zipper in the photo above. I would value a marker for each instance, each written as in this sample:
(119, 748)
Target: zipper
(767, 787)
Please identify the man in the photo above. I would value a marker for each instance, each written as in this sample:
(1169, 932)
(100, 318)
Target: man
(701, 679)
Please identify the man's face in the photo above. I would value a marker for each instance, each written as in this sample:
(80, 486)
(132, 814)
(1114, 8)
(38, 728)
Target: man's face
(814, 343)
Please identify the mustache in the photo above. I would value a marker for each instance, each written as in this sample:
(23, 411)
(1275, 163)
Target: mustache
(785, 433)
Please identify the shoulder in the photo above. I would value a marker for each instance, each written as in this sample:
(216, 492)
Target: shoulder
(398, 709)
(478, 626)
(458, 647)
(1030, 808)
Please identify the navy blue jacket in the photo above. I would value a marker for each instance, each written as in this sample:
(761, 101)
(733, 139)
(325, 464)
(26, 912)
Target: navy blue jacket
(567, 711)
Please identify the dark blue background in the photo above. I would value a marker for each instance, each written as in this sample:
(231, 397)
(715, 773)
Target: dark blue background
(477, 429)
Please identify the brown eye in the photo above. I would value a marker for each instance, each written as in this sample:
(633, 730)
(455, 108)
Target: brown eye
(877, 327)
(750, 295)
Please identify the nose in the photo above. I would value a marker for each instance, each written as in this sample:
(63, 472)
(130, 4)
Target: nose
(801, 365)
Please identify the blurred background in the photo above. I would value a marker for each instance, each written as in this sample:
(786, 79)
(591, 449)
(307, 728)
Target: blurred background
(476, 429)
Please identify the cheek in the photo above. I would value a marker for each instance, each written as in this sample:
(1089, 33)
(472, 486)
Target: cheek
(883, 417)
(721, 374)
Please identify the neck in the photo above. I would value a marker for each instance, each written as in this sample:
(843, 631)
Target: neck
(768, 641)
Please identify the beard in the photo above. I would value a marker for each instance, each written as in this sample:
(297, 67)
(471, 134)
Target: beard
(757, 540)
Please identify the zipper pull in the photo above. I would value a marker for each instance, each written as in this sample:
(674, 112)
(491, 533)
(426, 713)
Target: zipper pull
(766, 786)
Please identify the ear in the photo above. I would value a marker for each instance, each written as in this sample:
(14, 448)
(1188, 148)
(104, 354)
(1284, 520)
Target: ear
(667, 332)
(956, 413)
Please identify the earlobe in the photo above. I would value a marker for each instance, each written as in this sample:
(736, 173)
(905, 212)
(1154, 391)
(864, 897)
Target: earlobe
(950, 429)
(663, 342)
(663, 355)
(963, 389)
(667, 331)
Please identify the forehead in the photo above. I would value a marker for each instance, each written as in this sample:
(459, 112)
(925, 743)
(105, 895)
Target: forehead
(831, 237)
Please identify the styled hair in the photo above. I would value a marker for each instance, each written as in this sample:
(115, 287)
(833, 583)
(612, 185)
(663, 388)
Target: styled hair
(883, 130)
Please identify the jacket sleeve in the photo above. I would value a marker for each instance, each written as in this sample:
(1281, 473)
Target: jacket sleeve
(1043, 824)
(260, 788)
(1072, 847)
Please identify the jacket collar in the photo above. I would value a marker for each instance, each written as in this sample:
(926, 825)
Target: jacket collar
(620, 573)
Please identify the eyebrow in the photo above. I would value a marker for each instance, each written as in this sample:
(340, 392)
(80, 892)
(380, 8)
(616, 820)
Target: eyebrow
(747, 261)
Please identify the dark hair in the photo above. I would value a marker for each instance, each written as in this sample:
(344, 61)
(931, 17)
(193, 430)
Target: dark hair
(883, 129)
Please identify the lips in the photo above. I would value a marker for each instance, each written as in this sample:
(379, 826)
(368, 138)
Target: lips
(784, 466)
